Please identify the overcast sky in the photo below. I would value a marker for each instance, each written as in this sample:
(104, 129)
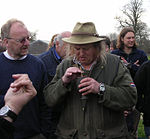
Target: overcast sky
(49, 17)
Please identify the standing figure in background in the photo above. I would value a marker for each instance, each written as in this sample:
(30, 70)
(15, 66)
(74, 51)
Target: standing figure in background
(106, 43)
(132, 58)
(55, 54)
(113, 45)
(92, 91)
(34, 119)
(52, 58)
(52, 41)
(128, 51)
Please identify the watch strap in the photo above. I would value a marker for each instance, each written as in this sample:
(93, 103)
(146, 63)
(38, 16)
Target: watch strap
(12, 115)
(6, 111)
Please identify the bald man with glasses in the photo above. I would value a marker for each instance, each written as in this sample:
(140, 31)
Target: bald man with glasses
(33, 122)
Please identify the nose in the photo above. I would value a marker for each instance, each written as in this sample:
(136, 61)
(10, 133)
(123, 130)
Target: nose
(82, 52)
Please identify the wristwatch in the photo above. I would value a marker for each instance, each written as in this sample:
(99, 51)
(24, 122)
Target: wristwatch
(101, 89)
(6, 111)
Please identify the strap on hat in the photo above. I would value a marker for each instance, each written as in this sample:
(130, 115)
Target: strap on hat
(89, 34)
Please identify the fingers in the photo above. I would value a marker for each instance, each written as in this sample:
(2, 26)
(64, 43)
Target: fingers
(74, 70)
(21, 80)
(20, 77)
(88, 85)
(85, 90)
(70, 74)
(136, 63)
(126, 113)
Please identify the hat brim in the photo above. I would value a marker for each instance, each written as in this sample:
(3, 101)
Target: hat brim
(82, 39)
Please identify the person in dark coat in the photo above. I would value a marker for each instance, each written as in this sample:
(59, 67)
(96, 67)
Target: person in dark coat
(55, 54)
(132, 58)
(128, 51)
(92, 91)
(142, 82)
(52, 58)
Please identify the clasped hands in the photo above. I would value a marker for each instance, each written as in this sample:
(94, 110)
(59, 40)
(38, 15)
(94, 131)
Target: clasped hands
(87, 85)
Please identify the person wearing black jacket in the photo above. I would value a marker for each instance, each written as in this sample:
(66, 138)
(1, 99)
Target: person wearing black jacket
(142, 81)
(20, 92)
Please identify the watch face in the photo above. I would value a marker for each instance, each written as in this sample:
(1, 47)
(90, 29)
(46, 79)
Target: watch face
(4, 110)
(102, 87)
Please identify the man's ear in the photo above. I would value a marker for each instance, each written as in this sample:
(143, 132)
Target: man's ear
(5, 42)
(57, 43)
(122, 39)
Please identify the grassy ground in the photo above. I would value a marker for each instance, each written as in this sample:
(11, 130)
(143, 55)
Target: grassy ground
(141, 133)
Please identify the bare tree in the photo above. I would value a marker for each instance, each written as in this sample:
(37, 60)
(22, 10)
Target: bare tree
(132, 13)
(33, 36)
(113, 36)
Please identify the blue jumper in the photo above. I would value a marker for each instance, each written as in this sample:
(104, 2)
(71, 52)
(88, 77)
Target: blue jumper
(35, 116)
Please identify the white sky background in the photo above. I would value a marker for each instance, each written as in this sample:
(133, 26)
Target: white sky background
(49, 17)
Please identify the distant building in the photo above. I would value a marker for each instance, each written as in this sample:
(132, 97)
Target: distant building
(37, 47)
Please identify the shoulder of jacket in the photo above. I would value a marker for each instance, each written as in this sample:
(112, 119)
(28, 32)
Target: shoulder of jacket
(115, 60)
(112, 57)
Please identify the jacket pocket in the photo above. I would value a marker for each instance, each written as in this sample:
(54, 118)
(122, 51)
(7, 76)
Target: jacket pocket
(112, 133)
(66, 133)
(100, 134)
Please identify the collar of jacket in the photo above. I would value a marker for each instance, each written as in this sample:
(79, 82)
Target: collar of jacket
(57, 57)
(134, 49)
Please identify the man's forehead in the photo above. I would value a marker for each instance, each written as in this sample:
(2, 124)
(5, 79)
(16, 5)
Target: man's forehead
(18, 28)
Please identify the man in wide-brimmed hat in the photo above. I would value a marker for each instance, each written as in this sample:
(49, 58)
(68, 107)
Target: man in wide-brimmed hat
(94, 88)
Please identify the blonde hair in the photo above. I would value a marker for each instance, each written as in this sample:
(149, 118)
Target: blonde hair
(51, 43)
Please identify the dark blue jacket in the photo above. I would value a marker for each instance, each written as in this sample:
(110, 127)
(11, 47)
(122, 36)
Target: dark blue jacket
(51, 62)
(131, 58)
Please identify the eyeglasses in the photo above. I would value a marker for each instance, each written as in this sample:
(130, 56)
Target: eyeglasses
(22, 41)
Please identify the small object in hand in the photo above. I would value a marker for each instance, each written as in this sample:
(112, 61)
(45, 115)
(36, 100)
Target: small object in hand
(77, 83)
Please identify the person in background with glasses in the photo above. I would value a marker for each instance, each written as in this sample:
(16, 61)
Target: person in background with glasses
(34, 119)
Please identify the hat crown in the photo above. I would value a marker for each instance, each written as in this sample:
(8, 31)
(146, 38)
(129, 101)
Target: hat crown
(87, 27)
(83, 33)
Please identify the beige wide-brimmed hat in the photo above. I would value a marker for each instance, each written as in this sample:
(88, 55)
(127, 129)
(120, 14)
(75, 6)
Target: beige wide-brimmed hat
(83, 33)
